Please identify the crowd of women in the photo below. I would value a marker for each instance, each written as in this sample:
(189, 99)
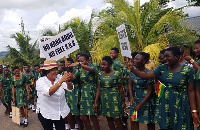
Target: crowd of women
(72, 95)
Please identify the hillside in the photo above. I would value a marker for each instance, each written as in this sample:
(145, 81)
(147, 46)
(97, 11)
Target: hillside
(3, 53)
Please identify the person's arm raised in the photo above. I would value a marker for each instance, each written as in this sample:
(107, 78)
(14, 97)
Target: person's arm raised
(191, 61)
(70, 86)
(142, 75)
(55, 87)
(86, 67)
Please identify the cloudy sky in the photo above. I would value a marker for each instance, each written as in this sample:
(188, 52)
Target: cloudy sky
(40, 14)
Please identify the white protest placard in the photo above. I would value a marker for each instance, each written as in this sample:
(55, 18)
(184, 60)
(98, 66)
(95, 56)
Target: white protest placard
(41, 40)
(123, 40)
(60, 45)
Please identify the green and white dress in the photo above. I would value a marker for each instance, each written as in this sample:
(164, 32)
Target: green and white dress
(173, 108)
(111, 102)
(31, 82)
(20, 91)
(88, 91)
(140, 90)
(7, 89)
(73, 97)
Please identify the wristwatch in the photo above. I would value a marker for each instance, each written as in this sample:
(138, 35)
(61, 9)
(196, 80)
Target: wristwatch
(192, 61)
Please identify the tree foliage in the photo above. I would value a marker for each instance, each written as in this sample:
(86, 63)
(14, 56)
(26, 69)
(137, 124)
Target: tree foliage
(82, 32)
(27, 53)
(147, 24)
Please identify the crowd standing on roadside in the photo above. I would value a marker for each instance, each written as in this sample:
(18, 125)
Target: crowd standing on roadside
(72, 95)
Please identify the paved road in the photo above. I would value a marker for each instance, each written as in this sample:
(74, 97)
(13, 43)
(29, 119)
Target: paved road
(34, 124)
(7, 124)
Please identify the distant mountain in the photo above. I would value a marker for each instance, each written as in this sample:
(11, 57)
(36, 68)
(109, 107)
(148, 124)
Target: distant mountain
(3, 54)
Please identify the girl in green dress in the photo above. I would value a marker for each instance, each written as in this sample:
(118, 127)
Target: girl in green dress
(176, 108)
(21, 95)
(141, 92)
(30, 76)
(196, 66)
(110, 91)
(73, 98)
(88, 90)
(6, 90)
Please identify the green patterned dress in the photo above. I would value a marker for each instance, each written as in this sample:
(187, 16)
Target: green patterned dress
(117, 65)
(32, 89)
(111, 102)
(88, 91)
(173, 108)
(73, 97)
(7, 89)
(140, 90)
(126, 73)
(20, 91)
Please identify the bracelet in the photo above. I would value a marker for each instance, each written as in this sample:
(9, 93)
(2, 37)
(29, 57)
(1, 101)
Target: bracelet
(194, 111)
(58, 83)
(192, 61)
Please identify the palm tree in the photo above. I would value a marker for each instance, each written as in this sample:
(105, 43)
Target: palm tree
(27, 53)
(82, 32)
(147, 24)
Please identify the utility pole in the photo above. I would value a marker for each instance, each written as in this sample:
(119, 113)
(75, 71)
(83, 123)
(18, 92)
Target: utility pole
(22, 26)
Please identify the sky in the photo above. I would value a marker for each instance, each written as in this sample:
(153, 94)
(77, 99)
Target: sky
(41, 14)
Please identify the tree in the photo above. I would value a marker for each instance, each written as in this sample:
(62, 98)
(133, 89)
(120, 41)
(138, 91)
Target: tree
(82, 32)
(146, 25)
(27, 53)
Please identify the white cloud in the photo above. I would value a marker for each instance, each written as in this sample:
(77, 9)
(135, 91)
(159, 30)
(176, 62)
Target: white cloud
(192, 11)
(11, 17)
(49, 19)
(178, 3)
(73, 13)
(32, 4)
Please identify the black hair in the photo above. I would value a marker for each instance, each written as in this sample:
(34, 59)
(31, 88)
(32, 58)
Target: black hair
(45, 72)
(197, 42)
(145, 55)
(36, 65)
(133, 54)
(70, 69)
(62, 62)
(70, 59)
(89, 55)
(182, 52)
(162, 51)
(14, 68)
(108, 59)
(85, 56)
(42, 62)
(126, 57)
(175, 50)
(78, 54)
(115, 49)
